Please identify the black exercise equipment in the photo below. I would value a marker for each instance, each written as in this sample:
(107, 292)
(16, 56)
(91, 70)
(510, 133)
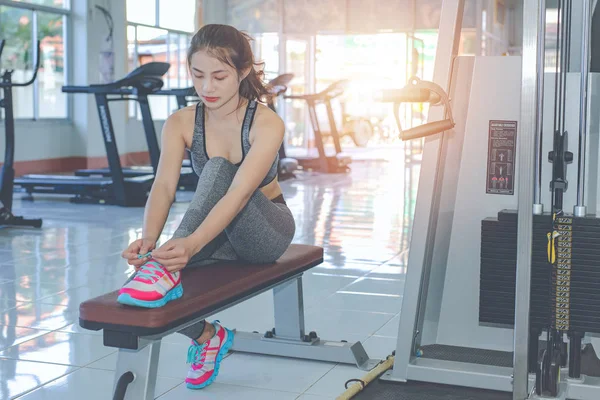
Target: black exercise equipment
(336, 163)
(564, 273)
(7, 172)
(137, 86)
(277, 87)
(116, 188)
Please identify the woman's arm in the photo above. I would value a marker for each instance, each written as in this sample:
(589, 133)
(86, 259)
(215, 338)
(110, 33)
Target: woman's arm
(162, 194)
(256, 165)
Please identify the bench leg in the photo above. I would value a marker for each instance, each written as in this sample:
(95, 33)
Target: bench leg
(143, 363)
(289, 310)
(289, 338)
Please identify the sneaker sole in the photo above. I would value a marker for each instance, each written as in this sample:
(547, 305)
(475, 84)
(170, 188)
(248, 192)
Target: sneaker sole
(172, 294)
(224, 349)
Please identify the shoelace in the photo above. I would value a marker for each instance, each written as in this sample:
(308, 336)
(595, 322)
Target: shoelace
(196, 353)
(150, 271)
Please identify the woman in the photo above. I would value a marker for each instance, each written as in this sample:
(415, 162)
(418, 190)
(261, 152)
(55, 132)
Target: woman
(237, 212)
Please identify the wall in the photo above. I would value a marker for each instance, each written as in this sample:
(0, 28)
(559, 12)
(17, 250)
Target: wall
(61, 145)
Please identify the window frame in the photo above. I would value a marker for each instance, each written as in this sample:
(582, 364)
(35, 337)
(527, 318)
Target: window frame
(157, 20)
(134, 113)
(66, 13)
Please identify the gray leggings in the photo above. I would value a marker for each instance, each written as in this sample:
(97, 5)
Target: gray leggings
(260, 233)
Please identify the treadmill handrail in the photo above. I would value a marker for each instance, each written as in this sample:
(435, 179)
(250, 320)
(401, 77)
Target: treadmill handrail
(334, 90)
(147, 77)
(35, 71)
(2, 43)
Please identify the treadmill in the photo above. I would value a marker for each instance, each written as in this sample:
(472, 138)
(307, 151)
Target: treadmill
(116, 188)
(137, 86)
(335, 163)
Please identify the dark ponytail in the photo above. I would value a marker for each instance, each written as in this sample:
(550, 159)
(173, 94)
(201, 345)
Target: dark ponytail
(231, 47)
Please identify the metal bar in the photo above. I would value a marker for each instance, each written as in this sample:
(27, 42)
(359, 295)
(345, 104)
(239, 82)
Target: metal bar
(35, 52)
(136, 24)
(6, 195)
(427, 210)
(143, 363)
(157, 13)
(135, 65)
(289, 310)
(321, 350)
(580, 208)
(149, 130)
(538, 207)
(112, 153)
(67, 60)
(38, 7)
(526, 149)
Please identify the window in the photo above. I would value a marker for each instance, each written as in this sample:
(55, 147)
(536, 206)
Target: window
(22, 25)
(160, 33)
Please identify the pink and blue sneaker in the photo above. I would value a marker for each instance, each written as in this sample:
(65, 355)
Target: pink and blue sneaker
(206, 358)
(151, 286)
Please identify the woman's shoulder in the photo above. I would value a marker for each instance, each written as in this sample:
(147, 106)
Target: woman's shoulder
(183, 116)
(265, 117)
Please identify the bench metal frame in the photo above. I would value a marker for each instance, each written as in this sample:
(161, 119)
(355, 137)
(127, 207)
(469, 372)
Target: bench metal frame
(140, 354)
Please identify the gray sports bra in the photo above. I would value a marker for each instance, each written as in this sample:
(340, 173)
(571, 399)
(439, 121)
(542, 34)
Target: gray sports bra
(198, 153)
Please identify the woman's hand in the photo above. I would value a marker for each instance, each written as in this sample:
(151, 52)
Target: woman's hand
(175, 254)
(140, 247)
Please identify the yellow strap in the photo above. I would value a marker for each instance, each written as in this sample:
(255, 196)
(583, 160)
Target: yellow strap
(552, 246)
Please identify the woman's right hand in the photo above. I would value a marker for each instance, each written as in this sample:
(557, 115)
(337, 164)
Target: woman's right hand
(138, 247)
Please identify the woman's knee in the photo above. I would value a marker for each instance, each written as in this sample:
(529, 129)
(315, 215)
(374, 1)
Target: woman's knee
(267, 249)
(220, 165)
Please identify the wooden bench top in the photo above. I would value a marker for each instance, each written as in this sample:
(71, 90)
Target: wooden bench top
(205, 290)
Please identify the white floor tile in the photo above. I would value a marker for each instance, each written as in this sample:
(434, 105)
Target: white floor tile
(332, 384)
(273, 373)
(171, 362)
(384, 286)
(315, 397)
(380, 347)
(60, 348)
(44, 316)
(363, 301)
(219, 391)
(19, 377)
(75, 328)
(14, 335)
(94, 384)
(340, 324)
(391, 328)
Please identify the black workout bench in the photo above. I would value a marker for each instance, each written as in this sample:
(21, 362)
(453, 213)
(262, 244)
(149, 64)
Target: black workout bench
(137, 332)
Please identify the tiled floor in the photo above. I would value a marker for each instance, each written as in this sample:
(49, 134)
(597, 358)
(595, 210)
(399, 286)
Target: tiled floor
(362, 219)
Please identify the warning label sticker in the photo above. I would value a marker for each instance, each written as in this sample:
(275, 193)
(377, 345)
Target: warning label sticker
(502, 146)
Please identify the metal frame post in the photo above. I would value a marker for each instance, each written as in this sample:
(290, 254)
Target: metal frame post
(538, 207)
(149, 130)
(143, 363)
(426, 210)
(112, 153)
(580, 209)
(289, 310)
(526, 149)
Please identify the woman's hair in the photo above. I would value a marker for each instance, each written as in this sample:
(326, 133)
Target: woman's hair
(231, 47)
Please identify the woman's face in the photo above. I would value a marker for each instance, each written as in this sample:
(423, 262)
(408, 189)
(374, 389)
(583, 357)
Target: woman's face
(215, 82)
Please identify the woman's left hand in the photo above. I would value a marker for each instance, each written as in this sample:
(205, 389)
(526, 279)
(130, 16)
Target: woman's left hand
(174, 254)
